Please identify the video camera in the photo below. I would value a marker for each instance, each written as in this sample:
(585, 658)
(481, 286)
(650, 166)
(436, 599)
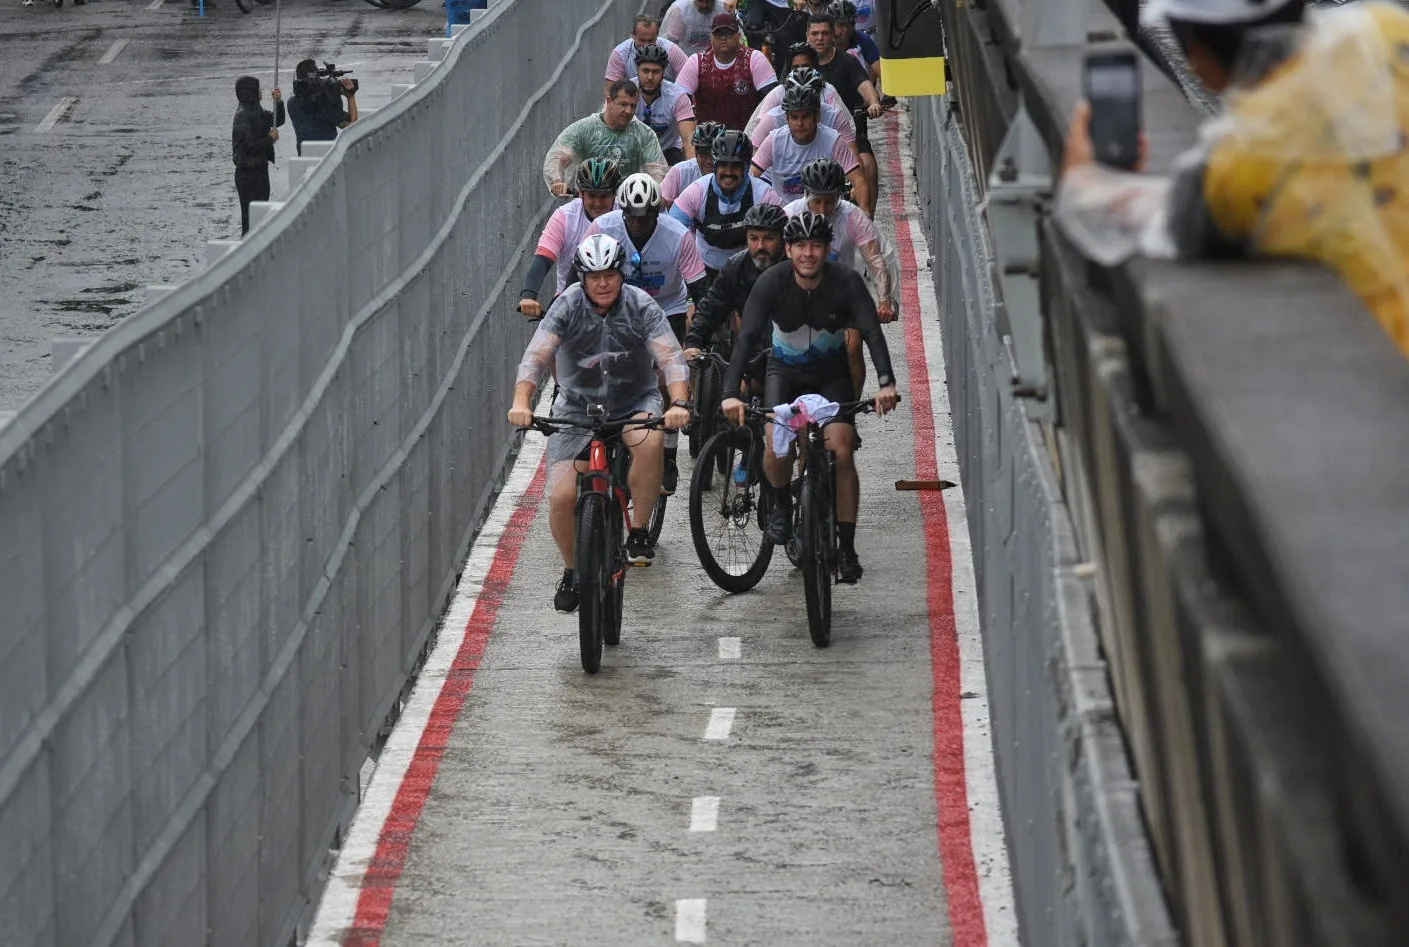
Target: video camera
(326, 82)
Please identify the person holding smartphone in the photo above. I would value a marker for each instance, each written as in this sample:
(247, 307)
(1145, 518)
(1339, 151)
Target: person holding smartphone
(1287, 170)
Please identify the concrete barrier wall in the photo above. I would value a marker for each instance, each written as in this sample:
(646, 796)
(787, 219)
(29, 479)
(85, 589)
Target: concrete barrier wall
(1187, 477)
(229, 526)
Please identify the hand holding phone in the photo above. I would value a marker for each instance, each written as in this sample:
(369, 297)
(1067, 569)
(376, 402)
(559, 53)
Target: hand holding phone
(1112, 86)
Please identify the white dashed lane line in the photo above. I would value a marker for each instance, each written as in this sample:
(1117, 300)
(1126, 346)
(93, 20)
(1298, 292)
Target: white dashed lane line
(155, 4)
(721, 721)
(704, 814)
(117, 47)
(690, 920)
(55, 113)
(730, 649)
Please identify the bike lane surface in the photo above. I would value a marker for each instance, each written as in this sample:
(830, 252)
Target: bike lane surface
(721, 780)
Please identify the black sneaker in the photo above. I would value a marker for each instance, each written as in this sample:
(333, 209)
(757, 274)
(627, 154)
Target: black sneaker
(670, 479)
(779, 527)
(639, 551)
(565, 599)
(848, 567)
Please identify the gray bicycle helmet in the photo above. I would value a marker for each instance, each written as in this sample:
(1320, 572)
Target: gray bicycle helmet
(766, 217)
(804, 78)
(705, 133)
(599, 175)
(823, 176)
(807, 226)
(842, 11)
(732, 147)
(802, 100)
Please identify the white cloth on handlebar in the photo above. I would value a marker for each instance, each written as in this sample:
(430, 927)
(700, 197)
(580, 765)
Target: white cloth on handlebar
(789, 419)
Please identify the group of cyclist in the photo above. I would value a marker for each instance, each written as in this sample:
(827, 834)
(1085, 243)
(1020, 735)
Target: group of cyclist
(682, 230)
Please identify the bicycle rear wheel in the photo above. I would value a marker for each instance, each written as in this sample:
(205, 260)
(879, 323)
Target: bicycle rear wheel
(726, 516)
(245, 5)
(616, 591)
(817, 541)
(707, 400)
(657, 519)
(593, 579)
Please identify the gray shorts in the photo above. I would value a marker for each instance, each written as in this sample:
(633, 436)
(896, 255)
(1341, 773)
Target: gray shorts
(567, 446)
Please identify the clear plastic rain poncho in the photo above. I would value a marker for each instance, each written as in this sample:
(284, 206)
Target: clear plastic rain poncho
(1308, 159)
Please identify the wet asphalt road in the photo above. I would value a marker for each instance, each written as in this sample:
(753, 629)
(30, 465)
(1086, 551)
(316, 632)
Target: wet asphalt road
(565, 808)
(135, 175)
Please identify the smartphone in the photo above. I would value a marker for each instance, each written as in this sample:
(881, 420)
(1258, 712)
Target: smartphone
(1112, 85)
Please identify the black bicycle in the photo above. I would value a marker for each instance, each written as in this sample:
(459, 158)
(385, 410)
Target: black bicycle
(729, 505)
(600, 549)
(708, 394)
(815, 520)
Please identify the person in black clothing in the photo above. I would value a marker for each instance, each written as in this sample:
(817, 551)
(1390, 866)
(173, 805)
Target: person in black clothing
(787, 29)
(730, 290)
(252, 142)
(807, 305)
(316, 108)
(853, 83)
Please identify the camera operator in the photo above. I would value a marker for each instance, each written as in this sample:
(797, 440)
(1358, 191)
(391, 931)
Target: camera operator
(316, 108)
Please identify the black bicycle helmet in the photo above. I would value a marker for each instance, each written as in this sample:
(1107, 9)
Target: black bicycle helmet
(802, 49)
(823, 176)
(801, 100)
(843, 11)
(651, 53)
(766, 217)
(732, 147)
(705, 133)
(598, 175)
(807, 226)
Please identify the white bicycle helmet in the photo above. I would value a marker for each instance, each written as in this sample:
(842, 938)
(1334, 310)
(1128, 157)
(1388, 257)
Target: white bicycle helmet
(1210, 12)
(598, 253)
(638, 196)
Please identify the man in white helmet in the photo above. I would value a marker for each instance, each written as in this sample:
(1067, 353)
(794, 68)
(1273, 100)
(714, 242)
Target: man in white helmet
(607, 340)
(662, 259)
(1307, 160)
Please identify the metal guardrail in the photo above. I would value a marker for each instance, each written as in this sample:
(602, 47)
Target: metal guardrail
(1193, 424)
(1082, 868)
(229, 526)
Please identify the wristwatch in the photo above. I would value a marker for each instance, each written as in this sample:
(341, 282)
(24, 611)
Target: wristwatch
(680, 403)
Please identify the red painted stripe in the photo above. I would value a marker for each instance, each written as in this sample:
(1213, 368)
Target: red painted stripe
(951, 794)
(383, 874)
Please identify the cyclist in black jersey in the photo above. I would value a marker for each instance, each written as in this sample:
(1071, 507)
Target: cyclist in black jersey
(763, 225)
(808, 304)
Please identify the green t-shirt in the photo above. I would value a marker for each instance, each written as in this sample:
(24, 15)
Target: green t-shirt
(633, 149)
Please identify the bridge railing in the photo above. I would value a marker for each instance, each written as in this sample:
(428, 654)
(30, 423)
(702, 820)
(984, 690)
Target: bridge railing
(229, 527)
(1188, 508)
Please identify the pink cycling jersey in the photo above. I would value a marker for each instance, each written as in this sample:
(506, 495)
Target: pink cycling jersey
(832, 117)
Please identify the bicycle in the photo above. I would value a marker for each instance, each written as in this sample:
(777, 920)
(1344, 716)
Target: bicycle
(710, 367)
(600, 548)
(729, 505)
(813, 547)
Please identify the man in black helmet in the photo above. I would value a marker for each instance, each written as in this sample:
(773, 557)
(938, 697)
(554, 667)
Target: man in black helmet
(252, 144)
(806, 306)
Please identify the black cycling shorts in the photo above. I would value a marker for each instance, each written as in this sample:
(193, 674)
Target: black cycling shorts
(785, 383)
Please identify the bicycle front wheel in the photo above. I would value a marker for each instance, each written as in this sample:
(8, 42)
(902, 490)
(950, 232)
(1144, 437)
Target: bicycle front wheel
(726, 515)
(593, 570)
(816, 563)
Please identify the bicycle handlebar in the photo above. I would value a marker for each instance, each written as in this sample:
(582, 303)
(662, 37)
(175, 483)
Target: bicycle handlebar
(859, 406)
(599, 429)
